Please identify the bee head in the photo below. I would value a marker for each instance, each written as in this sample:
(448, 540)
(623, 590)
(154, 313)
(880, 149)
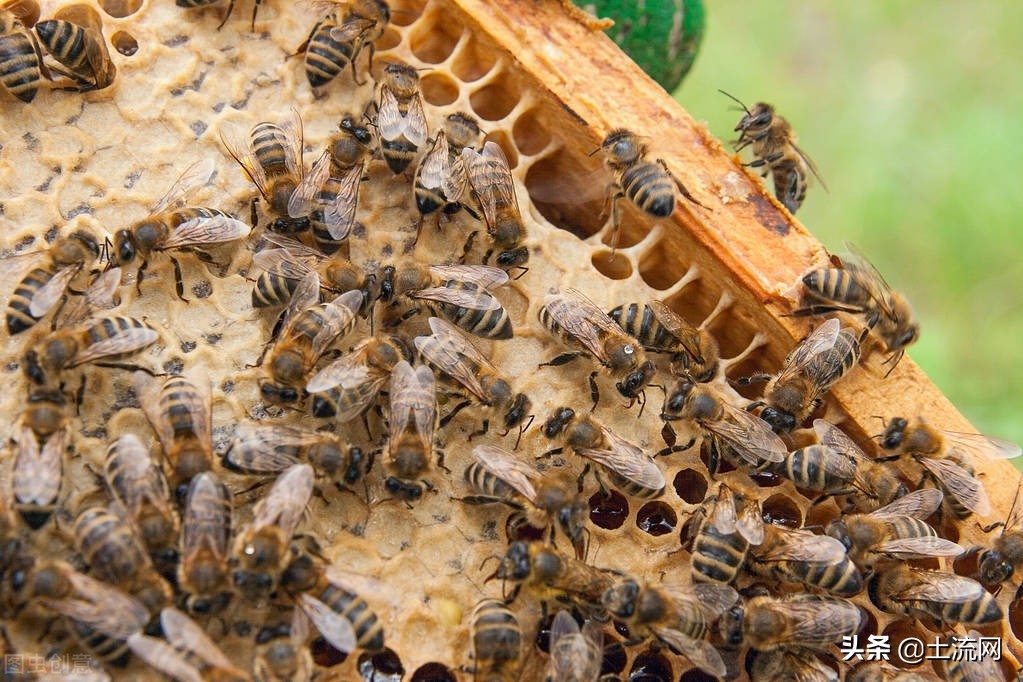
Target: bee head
(779, 420)
(404, 490)
(558, 421)
(633, 384)
(512, 257)
(894, 433)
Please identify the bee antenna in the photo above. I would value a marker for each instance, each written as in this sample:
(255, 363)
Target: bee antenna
(594, 151)
(735, 99)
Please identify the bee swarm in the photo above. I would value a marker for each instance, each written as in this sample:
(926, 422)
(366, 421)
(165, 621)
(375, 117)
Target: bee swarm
(547, 89)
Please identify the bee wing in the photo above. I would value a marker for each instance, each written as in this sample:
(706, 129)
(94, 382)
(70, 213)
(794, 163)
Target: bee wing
(508, 468)
(483, 276)
(749, 435)
(204, 525)
(490, 177)
(213, 229)
(713, 599)
(135, 337)
(918, 504)
(820, 340)
(339, 316)
(1012, 521)
(294, 141)
(306, 295)
(835, 438)
(750, 523)
(628, 460)
(47, 296)
(477, 299)
(33, 476)
(193, 177)
(102, 292)
(284, 261)
(284, 505)
(163, 657)
(185, 635)
(455, 182)
(936, 586)
(413, 394)
(869, 277)
(811, 165)
(679, 328)
(818, 619)
(415, 122)
(303, 199)
(101, 606)
(334, 627)
(142, 479)
(723, 515)
(581, 319)
(562, 625)
(237, 144)
(434, 167)
(352, 29)
(348, 372)
(984, 447)
(801, 545)
(919, 548)
(959, 483)
(451, 352)
(700, 653)
(195, 402)
(339, 214)
(294, 247)
(268, 444)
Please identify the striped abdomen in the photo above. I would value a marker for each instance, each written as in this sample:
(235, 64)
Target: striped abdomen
(325, 57)
(819, 468)
(717, 557)
(639, 322)
(839, 285)
(65, 42)
(369, 633)
(496, 641)
(493, 323)
(19, 65)
(272, 288)
(487, 485)
(649, 187)
(19, 315)
(842, 578)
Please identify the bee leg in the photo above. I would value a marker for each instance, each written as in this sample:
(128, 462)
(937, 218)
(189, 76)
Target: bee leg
(561, 359)
(594, 391)
(713, 459)
(80, 396)
(991, 526)
(179, 284)
(468, 246)
(255, 10)
(822, 309)
(440, 462)
(483, 430)
(230, 9)
(753, 379)
(614, 195)
(550, 453)
(681, 187)
(451, 415)
(675, 448)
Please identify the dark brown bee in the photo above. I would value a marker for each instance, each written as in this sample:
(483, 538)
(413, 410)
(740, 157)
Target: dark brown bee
(799, 620)
(171, 225)
(967, 661)
(291, 261)
(627, 466)
(441, 179)
(494, 188)
(496, 642)
(576, 655)
(340, 35)
(944, 597)
(262, 550)
(74, 37)
(649, 185)
(412, 421)
(188, 653)
(350, 384)
(800, 556)
(454, 357)
(37, 474)
(774, 145)
(661, 330)
(721, 538)
(401, 118)
(577, 321)
(857, 287)
(203, 574)
(1005, 556)
(21, 63)
(552, 576)
(98, 342)
(264, 448)
(497, 475)
(45, 412)
(281, 653)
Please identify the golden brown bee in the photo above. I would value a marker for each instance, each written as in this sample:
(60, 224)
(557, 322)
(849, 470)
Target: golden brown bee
(998, 563)
(661, 330)
(188, 653)
(774, 145)
(21, 64)
(497, 475)
(680, 616)
(286, 265)
(800, 556)
(551, 575)
(946, 456)
(171, 225)
(944, 597)
(460, 293)
(801, 620)
(261, 551)
(37, 474)
(264, 448)
(203, 574)
(494, 188)
(745, 435)
(337, 39)
(310, 328)
(109, 545)
(45, 412)
(401, 119)
(730, 523)
(98, 341)
(627, 466)
(496, 643)
(576, 655)
(350, 384)
(74, 37)
(441, 179)
(578, 322)
(454, 357)
(179, 412)
(895, 532)
(412, 421)
(857, 287)
(45, 284)
(792, 664)
(137, 482)
(281, 653)
(649, 185)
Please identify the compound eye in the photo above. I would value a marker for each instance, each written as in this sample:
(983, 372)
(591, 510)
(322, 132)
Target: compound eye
(126, 252)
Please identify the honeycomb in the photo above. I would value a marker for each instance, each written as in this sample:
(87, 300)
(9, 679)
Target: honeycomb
(547, 89)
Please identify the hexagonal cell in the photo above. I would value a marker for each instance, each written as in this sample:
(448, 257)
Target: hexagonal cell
(690, 485)
(120, 8)
(384, 666)
(433, 39)
(608, 510)
(868, 624)
(656, 518)
(562, 195)
(653, 268)
(504, 141)
(651, 666)
(615, 658)
(438, 88)
(531, 135)
(433, 672)
(897, 632)
(27, 11)
(472, 62)
(389, 40)
(405, 12)
(781, 510)
(325, 655)
(612, 265)
(124, 43)
(968, 563)
(494, 101)
(696, 675)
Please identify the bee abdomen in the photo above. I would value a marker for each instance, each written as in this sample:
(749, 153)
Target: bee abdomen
(486, 483)
(268, 146)
(64, 41)
(19, 316)
(325, 57)
(369, 632)
(490, 324)
(639, 321)
(717, 557)
(648, 186)
(842, 578)
(398, 154)
(272, 289)
(19, 66)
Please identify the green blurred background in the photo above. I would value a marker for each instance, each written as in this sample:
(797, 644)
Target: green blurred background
(913, 112)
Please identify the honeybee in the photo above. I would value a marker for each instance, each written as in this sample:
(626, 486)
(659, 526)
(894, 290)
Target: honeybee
(894, 532)
(774, 145)
(744, 434)
(189, 653)
(497, 475)
(309, 329)
(281, 651)
(661, 330)
(810, 370)
(285, 266)
(350, 384)
(792, 664)
(627, 466)
(576, 655)
(494, 188)
(180, 414)
(339, 37)
(138, 484)
(649, 185)
(261, 551)
(943, 597)
(946, 456)
(967, 661)
(857, 287)
(803, 557)
(170, 225)
(454, 357)
(401, 119)
(37, 474)
(998, 563)
(798, 620)
(441, 179)
(21, 64)
(729, 524)
(458, 292)
(108, 544)
(97, 341)
(680, 616)
(577, 321)
(45, 412)
(496, 642)
(203, 573)
(74, 37)
(263, 448)
(412, 421)
(44, 285)
(551, 575)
